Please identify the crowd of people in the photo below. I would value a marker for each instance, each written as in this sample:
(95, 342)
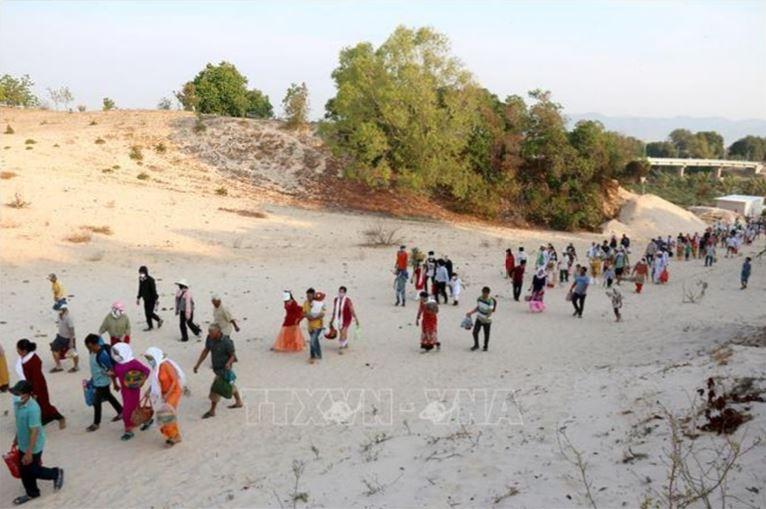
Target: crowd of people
(148, 388)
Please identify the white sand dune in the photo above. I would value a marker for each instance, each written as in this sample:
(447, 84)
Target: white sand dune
(385, 425)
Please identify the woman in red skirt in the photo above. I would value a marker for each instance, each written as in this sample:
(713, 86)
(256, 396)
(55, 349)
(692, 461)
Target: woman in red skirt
(290, 337)
(428, 320)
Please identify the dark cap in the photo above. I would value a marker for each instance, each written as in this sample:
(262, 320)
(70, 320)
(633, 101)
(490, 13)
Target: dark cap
(21, 387)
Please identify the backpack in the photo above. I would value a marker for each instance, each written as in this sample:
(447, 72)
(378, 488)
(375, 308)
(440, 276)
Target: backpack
(108, 350)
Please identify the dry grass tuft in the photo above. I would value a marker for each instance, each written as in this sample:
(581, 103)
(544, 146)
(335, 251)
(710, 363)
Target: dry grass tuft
(222, 191)
(6, 175)
(18, 202)
(9, 129)
(381, 236)
(160, 148)
(93, 122)
(142, 176)
(102, 230)
(29, 141)
(135, 153)
(244, 212)
(80, 237)
(99, 141)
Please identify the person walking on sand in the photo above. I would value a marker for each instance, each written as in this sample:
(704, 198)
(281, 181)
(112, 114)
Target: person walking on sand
(117, 324)
(290, 338)
(167, 382)
(441, 279)
(615, 296)
(745, 273)
(29, 367)
(64, 342)
(131, 374)
(428, 320)
(30, 440)
(579, 290)
(510, 263)
(222, 317)
(101, 365)
(59, 294)
(185, 310)
(402, 259)
(223, 357)
(343, 313)
(147, 290)
(313, 311)
(400, 287)
(456, 288)
(518, 279)
(640, 274)
(485, 307)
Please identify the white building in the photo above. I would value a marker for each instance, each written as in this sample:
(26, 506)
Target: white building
(749, 206)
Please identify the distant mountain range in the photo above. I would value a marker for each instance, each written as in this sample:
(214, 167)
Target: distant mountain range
(657, 128)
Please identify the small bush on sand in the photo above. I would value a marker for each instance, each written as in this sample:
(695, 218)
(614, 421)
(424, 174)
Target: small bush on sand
(81, 108)
(79, 237)
(116, 167)
(6, 175)
(100, 141)
(142, 176)
(55, 145)
(18, 202)
(222, 191)
(29, 141)
(93, 122)
(244, 212)
(381, 236)
(160, 148)
(107, 170)
(9, 129)
(199, 126)
(30, 147)
(135, 153)
(108, 104)
(102, 230)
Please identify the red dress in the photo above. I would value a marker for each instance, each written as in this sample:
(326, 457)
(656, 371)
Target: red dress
(33, 372)
(420, 278)
(428, 325)
(290, 338)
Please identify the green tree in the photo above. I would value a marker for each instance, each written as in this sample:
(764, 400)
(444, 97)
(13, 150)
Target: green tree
(661, 149)
(17, 91)
(749, 148)
(296, 105)
(61, 95)
(714, 143)
(164, 104)
(222, 90)
(108, 104)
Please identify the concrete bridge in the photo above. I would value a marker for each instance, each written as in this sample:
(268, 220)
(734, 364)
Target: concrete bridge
(718, 164)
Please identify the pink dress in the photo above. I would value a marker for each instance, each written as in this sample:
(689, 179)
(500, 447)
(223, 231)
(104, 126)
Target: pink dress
(130, 397)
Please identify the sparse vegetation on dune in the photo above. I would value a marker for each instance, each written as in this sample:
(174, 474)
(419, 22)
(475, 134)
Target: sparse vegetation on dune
(101, 230)
(142, 176)
(222, 191)
(244, 212)
(9, 129)
(136, 153)
(18, 202)
(380, 235)
(6, 175)
(79, 237)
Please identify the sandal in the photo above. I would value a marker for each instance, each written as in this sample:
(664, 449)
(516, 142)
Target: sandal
(54, 370)
(126, 436)
(73, 370)
(23, 499)
(235, 406)
(117, 417)
(148, 424)
(92, 427)
(208, 415)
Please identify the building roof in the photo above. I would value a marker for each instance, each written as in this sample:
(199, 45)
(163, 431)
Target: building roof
(739, 197)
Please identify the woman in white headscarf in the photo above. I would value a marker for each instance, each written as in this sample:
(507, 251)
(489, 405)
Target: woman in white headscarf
(132, 375)
(167, 382)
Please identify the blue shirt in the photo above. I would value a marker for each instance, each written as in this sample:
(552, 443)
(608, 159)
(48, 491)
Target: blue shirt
(28, 416)
(97, 371)
(581, 285)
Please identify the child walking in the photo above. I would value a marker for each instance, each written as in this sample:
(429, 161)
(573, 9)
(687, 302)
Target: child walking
(745, 274)
(614, 294)
(428, 312)
(400, 285)
(456, 286)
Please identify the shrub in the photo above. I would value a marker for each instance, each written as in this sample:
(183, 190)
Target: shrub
(164, 104)
(244, 212)
(108, 104)
(103, 230)
(93, 122)
(107, 170)
(18, 202)
(116, 167)
(30, 148)
(381, 236)
(9, 129)
(142, 176)
(81, 108)
(222, 191)
(79, 237)
(135, 153)
(199, 126)
(160, 148)
(5, 175)
(99, 141)
(29, 141)
(55, 145)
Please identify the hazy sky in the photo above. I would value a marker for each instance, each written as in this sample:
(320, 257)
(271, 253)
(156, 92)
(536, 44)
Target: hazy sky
(641, 58)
